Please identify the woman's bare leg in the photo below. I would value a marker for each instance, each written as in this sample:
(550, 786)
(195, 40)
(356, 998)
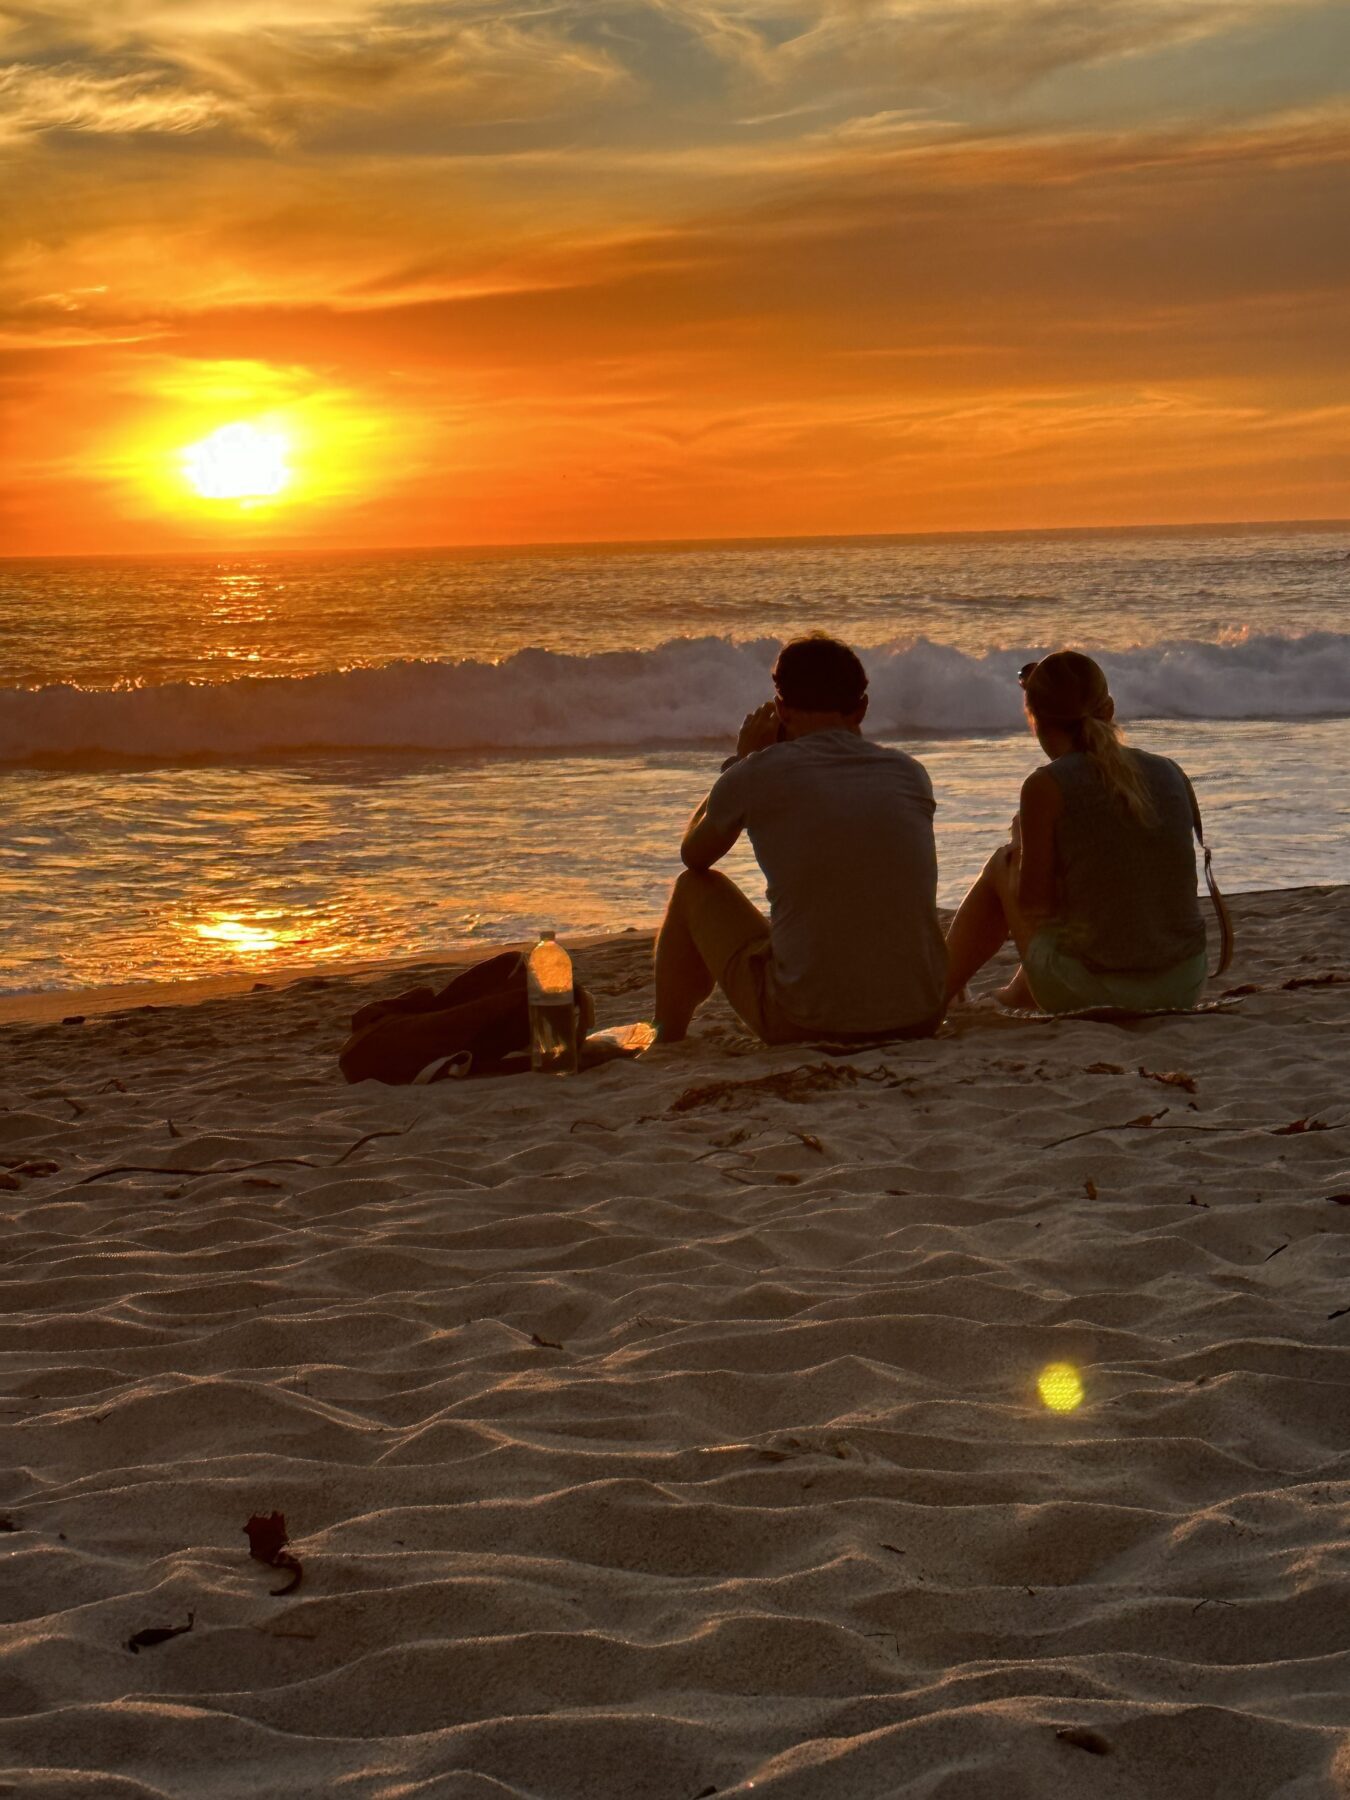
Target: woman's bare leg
(984, 921)
(1017, 994)
(978, 932)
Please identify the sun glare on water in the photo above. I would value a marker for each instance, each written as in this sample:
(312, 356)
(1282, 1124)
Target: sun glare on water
(225, 936)
(238, 462)
(248, 936)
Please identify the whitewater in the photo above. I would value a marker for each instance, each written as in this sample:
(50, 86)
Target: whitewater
(682, 692)
(210, 764)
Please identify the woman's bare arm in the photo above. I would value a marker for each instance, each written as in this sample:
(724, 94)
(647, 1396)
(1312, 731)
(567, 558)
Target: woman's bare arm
(1041, 805)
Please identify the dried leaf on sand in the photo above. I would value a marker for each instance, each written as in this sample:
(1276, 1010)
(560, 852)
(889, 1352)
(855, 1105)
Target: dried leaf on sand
(267, 1542)
(157, 1634)
(1177, 1078)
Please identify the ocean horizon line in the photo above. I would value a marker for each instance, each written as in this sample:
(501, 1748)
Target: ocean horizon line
(686, 546)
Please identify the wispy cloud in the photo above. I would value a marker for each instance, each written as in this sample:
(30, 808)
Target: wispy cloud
(899, 44)
(291, 75)
(68, 97)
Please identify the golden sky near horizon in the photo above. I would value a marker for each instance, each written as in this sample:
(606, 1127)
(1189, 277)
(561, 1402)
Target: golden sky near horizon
(574, 269)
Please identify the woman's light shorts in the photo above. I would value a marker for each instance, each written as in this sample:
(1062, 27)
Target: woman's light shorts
(1063, 984)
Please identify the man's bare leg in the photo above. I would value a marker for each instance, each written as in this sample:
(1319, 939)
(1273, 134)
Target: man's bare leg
(707, 921)
(683, 979)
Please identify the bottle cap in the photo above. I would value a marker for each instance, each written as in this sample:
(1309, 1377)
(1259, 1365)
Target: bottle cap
(547, 936)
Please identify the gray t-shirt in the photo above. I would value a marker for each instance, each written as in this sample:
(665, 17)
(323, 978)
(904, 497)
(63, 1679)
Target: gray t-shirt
(843, 830)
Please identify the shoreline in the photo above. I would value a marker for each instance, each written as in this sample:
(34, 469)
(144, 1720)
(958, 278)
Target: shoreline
(51, 1006)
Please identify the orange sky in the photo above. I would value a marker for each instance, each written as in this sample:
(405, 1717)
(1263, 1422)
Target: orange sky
(672, 268)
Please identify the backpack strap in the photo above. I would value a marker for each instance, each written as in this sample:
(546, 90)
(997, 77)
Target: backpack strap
(1221, 912)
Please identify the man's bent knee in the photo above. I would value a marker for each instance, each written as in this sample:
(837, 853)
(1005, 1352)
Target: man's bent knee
(692, 886)
(689, 880)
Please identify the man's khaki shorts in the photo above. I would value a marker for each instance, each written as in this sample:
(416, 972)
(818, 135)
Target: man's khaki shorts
(732, 937)
(747, 982)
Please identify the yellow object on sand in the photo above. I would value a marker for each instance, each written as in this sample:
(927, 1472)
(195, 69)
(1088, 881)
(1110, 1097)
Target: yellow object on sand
(1060, 1387)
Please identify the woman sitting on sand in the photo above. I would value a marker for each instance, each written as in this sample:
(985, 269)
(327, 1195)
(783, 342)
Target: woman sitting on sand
(1097, 887)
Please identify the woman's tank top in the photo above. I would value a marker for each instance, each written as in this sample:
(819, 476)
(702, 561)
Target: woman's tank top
(1127, 892)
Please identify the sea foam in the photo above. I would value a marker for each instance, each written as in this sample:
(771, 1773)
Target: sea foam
(687, 691)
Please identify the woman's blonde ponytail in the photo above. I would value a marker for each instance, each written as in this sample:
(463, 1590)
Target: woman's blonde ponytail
(1105, 745)
(1068, 689)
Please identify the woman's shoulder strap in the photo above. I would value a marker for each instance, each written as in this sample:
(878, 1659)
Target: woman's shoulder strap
(1222, 916)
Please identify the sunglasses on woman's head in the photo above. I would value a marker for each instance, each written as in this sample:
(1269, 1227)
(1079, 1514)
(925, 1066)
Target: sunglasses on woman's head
(1025, 673)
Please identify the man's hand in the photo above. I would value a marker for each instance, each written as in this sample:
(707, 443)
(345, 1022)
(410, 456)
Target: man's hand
(759, 729)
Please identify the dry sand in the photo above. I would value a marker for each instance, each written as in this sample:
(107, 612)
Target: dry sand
(674, 1430)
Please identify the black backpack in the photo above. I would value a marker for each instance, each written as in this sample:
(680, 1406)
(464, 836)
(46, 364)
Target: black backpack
(483, 1010)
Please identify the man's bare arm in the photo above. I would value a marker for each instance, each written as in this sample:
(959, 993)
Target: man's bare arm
(703, 843)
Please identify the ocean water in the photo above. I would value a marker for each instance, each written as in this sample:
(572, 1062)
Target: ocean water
(232, 764)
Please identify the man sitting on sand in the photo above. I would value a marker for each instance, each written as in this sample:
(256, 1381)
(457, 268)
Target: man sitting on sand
(843, 830)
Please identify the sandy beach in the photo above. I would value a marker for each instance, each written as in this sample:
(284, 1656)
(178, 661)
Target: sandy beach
(674, 1430)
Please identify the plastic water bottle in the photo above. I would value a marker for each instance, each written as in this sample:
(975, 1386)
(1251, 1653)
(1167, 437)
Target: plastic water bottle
(553, 1012)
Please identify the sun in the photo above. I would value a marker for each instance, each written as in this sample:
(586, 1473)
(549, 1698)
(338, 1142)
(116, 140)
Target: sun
(238, 462)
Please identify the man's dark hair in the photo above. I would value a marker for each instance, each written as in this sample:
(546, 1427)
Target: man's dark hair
(819, 674)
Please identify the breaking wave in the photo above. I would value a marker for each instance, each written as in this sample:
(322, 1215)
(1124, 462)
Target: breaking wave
(687, 691)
